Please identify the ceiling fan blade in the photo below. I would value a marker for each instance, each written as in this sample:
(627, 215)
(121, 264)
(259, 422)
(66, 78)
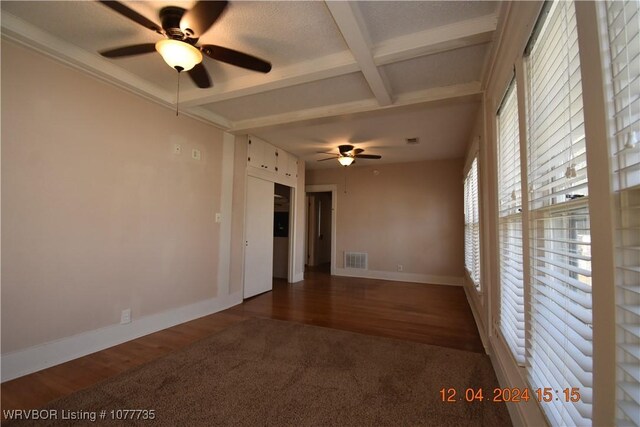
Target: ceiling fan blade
(236, 58)
(358, 151)
(200, 76)
(132, 14)
(201, 17)
(368, 156)
(328, 158)
(136, 49)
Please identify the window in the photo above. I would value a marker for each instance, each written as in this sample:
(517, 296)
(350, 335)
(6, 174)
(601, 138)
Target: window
(623, 23)
(472, 224)
(510, 226)
(560, 329)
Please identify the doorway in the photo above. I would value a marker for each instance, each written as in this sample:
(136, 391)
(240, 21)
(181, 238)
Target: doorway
(281, 231)
(320, 230)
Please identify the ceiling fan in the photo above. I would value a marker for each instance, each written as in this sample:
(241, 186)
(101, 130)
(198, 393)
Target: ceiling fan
(348, 154)
(181, 30)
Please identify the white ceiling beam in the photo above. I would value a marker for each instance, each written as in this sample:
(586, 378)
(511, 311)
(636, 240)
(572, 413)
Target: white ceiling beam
(353, 30)
(429, 42)
(304, 72)
(203, 114)
(435, 40)
(363, 106)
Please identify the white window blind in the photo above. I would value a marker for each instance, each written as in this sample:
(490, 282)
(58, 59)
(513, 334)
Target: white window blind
(623, 23)
(512, 316)
(472, 224)
(560, 329)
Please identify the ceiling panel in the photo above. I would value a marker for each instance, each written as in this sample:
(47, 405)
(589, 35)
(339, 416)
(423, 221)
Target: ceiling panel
(443, 69)
(443, 129)
(337, 90)
(388, 19)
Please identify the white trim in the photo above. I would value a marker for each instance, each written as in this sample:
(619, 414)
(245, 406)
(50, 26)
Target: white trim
(333, 188)
(509, 376)
(456, 35)
(353, 30)
(476, 316)
(293, 232)
(315, 114)
(398, 276)
(226, 200)
(36, 358)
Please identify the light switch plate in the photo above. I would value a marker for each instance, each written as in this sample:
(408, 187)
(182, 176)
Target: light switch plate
(218, 217)
(177, 149)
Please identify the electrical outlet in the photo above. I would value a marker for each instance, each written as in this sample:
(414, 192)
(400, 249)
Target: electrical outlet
(195, 154)
(125, 316)
(177, 149)
(400, 267)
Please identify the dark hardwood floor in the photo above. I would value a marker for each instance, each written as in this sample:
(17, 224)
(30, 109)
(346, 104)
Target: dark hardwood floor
(431, 314)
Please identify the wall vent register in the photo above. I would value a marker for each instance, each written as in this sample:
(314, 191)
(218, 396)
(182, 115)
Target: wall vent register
(355, 260)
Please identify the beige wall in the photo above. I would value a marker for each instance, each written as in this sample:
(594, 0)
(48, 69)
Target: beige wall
(98, 214)
(409, 214)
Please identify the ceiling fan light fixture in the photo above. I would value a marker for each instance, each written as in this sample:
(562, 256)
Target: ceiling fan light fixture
(345, 160)
(178, 54)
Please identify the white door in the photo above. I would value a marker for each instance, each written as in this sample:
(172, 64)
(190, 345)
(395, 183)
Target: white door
(258, 258)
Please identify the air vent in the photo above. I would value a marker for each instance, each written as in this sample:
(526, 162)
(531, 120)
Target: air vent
(355, 260)
(413, 141)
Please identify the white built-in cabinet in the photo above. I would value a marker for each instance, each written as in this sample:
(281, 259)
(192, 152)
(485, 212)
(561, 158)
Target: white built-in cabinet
(262, 155)
(271, 161)
(266, 165)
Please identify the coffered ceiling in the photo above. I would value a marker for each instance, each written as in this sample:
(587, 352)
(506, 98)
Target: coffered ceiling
(370, 73)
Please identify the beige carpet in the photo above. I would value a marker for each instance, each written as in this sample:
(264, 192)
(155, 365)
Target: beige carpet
(269, 372)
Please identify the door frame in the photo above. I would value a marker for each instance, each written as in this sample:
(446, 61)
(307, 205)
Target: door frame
(333, 189)
(293, 231)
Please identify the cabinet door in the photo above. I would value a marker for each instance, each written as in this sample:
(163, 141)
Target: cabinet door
(269, 157)
(258, 256)
(255, 153)
(292, 166)
(282, 159)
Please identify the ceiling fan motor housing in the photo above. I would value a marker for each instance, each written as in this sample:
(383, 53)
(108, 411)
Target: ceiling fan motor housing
(171, 16)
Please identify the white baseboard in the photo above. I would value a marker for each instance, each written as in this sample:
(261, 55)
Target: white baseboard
(523, 414)
(399, 276)
(479, 323)
(36, 358)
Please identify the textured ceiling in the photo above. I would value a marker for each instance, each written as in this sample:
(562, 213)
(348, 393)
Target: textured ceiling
(442, 128)
(336, 90)
(370, 72)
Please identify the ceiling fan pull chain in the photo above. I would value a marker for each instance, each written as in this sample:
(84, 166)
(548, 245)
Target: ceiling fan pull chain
(178, 94)
(345, 180)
